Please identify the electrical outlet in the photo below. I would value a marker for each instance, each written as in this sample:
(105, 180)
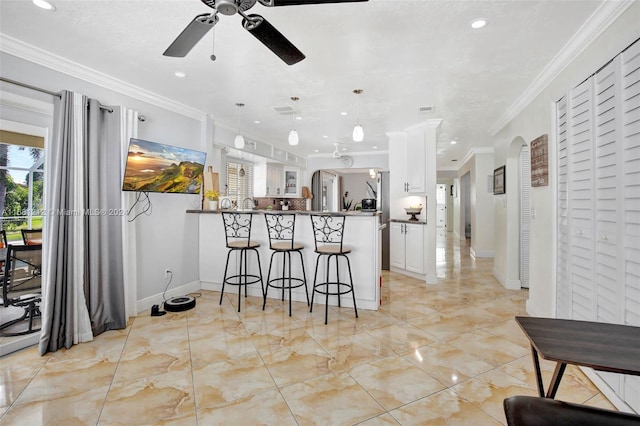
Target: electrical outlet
(167, 272)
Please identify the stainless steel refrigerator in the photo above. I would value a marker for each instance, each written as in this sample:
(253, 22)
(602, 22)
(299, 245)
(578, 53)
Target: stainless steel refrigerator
(383, 206)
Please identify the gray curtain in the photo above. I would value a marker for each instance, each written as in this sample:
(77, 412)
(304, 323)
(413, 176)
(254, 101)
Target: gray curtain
(82, 260)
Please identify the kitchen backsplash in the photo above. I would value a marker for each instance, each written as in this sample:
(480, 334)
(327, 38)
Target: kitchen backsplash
(298, 204)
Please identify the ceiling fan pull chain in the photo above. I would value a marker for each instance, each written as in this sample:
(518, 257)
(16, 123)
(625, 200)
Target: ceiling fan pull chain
(213, 46)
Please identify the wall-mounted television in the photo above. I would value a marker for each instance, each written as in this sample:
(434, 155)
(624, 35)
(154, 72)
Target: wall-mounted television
(155, 167)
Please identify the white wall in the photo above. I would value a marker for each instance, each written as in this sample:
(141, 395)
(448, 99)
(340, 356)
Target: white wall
(168, 237)
(482, 216)
(538, 119)
(356, 184)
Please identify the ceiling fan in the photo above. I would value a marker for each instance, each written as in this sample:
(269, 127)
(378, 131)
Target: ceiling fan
(344, 159)
(254, 23)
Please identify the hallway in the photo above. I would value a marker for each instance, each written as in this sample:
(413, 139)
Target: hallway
(447, 353)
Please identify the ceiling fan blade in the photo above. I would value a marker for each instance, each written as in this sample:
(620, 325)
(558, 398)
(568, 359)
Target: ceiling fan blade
(272, 38)
(275, 3)
(191, 35)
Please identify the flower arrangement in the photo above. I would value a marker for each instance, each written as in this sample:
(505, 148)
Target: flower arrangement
(212, 195)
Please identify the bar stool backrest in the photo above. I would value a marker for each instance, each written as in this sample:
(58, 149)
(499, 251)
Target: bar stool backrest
(237, 227)
(328, 231)
(281, 227)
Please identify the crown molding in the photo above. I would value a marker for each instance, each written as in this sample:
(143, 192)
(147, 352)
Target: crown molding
(39, 56)
(599, 21)
(474, 151)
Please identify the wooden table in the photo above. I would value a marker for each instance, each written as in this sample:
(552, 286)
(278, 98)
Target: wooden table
(601, 346)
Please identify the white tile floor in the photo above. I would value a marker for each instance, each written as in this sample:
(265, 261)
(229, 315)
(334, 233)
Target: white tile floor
(447, 353)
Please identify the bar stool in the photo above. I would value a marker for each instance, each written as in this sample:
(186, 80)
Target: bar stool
(237, 229)
(281, 229)
(328, 234)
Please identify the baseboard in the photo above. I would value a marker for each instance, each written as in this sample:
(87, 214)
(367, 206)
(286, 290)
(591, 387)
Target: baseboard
(513, 285)
(410, 274)
(606, 390)
(498, 276)
(431, 279)
(482, 253)
(19, 343)
(146, 303)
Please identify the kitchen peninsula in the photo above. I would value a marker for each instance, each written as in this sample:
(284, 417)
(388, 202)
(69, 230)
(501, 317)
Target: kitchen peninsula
(362, 235)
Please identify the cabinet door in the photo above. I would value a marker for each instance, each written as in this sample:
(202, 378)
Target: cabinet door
(416, 162)
(414, 248)
(396, 245)
(275, 180)
(292, 182)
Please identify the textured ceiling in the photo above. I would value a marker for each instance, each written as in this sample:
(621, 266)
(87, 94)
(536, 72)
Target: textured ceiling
(405, 54)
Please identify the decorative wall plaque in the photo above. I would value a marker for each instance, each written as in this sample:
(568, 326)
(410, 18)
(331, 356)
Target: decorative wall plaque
(540, 161)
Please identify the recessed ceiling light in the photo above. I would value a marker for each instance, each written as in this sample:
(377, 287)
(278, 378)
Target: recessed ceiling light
(453, 142)
(298, 117)
(478, 23)
(375, 147)
(343, 113)
(316, 150)
(325, 137)
(180, 74)
(257, 121)
(43, 4)
(344, 149)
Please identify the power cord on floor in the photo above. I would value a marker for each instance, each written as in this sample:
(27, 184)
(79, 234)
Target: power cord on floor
(155, 309)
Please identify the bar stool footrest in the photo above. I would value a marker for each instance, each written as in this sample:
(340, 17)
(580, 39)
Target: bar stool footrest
(300, 282)
(251, 279)
(333, 293)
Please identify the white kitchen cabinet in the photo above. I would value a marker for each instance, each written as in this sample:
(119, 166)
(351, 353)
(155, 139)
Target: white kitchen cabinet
(275, 180)
(407, 247)
(416, 162)
(292, 186)
(407, 162)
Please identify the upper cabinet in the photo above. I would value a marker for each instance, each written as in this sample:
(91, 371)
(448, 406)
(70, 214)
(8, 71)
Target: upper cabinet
(292, 186)
(416, 157)
(276, 180)
(407, 162)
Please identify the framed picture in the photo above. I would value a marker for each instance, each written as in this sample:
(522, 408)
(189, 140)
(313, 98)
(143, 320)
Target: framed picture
(499, 182)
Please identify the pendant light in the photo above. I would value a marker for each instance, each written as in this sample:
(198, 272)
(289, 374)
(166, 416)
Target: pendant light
(293, 135)
(358, 131)
(238, 142)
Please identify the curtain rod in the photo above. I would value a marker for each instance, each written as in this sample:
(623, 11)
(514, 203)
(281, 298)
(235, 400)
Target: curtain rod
(141, 118)
(28, 86)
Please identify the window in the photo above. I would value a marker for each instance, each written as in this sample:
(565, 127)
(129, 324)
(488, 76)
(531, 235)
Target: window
(239, 183)
(21, 182)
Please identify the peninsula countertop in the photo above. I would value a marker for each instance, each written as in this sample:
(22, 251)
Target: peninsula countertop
(361, 234)
(303, 212)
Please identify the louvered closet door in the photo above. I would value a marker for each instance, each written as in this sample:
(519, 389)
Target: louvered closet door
(609, 290)
(581, 220)
(563, 293)
(525, 212)
(631, 190)
(608, 194)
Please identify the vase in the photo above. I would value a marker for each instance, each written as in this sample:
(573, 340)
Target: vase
(213, 204)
